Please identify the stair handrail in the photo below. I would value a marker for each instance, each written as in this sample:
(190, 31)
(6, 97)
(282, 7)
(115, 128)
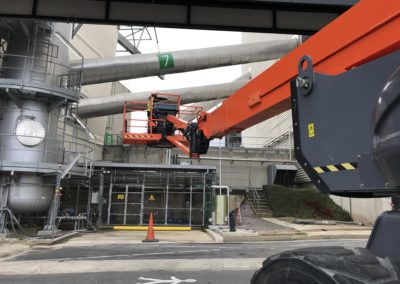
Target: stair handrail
(256, 196)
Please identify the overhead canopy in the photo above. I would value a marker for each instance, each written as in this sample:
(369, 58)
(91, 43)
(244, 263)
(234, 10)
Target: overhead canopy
(279, 16)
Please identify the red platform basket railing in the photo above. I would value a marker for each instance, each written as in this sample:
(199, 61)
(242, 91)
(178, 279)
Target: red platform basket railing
(132, 125)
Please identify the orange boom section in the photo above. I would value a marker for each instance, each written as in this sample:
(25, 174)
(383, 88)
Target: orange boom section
(367, 31)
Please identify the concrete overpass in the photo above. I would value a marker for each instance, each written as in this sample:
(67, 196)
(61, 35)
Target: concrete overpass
(276, 16)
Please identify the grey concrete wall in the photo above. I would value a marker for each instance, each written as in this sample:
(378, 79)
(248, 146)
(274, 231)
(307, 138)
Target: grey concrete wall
(236, 173)
(362, 209)
(95, 41)
(115, 122)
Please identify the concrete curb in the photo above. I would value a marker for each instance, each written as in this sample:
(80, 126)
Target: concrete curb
(300, 237)
(215, 236)
(156, 228)
(318, 227)
(57, 239)
(25, 245)
(263, 236)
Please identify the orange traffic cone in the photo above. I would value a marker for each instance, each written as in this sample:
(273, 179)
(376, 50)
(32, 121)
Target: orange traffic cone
(150, 232)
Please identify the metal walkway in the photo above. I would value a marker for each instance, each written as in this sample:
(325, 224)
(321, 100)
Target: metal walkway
(277, 16)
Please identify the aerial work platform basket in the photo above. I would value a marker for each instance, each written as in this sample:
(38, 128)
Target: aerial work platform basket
(158, 122)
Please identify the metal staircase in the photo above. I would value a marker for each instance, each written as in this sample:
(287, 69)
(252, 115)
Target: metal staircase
(258, 202)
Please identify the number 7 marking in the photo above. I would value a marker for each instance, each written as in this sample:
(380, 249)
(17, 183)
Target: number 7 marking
(166, 56)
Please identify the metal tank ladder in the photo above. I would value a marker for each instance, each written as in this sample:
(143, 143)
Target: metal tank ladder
(43, 52)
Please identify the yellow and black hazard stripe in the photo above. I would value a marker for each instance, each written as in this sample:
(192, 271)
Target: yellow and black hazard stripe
(137, 136)
(336, 168)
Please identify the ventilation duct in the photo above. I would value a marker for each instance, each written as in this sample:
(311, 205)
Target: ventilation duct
(101, 70)
(102, 106)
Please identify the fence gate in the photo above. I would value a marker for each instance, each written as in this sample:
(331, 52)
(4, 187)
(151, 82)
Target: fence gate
(125, 204)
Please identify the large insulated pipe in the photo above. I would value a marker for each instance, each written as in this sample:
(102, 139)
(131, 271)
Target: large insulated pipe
(101, 70)
(102, 106)
(207, 105)
(204, 105)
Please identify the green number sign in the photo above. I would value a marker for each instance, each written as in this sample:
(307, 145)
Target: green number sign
(119, 140)
(108, 139)
(166, 60)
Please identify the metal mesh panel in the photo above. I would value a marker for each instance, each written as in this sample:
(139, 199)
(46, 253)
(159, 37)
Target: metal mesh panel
(172, 197)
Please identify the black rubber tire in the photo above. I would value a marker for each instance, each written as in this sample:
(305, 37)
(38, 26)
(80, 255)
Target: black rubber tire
(327, 265)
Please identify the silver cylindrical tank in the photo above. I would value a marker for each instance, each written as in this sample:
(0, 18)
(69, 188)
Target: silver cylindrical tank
(30, 192)
(28, 134)
(28, 127)
(27, 56)
(40, 57)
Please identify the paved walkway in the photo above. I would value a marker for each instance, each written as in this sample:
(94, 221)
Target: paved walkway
(134, 237)
(259, 224)
(271, 229)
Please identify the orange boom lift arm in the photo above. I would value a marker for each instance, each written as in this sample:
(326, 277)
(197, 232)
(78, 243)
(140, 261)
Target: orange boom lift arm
(369, 30)
(365, 32)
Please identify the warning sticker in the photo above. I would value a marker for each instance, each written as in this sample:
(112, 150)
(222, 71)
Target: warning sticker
(311, 130)
(151, 197)
(120, 196)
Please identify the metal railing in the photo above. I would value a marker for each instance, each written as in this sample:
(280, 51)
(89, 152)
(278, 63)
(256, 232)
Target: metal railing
(284, 140)
(253, 195)
(49, 151)
(41, 67)
(268, 142)
(53, 74)
(243, 142)
(136, 121)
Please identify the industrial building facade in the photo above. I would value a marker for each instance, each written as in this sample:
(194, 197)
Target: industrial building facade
(47, 137)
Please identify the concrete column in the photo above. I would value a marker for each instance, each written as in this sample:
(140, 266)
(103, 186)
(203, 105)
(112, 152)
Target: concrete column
(109, 203)
(3, 204)
(100, 205)
(51, 228)
(166, 202)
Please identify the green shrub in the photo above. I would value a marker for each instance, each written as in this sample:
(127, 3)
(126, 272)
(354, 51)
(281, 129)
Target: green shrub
(303, 203)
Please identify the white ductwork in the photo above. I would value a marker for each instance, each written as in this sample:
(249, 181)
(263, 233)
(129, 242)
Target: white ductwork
(102, 106)
(101, 70)
(208, 105)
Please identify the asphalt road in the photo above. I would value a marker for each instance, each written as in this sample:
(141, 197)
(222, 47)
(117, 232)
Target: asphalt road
(175, 251)
(149, 263)
(223, 277)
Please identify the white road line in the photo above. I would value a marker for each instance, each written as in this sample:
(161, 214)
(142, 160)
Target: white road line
(173, 280)
(228, 246)
(127, 255)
